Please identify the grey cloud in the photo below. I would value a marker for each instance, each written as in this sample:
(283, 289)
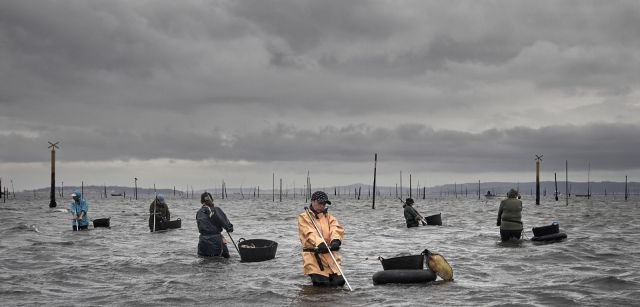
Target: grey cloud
(607, 146)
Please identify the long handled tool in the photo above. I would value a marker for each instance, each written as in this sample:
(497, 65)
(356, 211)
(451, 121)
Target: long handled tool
(234, 242)
(424, 222)
(306, 209)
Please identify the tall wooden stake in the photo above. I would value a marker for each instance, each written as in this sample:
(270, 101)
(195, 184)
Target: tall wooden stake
(538, 159)
(566, 181)
(555, 180)
(626, 191)
(375, 166)
(400, 184)
(52, 197)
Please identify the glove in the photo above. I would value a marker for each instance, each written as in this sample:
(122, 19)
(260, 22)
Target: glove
(230, 229)
(322, 248)
(335, 245)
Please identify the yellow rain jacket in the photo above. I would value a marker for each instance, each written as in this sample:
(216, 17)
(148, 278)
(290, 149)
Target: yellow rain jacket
(310, 239)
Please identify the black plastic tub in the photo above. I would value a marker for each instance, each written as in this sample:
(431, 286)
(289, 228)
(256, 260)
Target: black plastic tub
(256, 250)
(546, 230)
(413, 262)
(165, 225)
(106, 222)
(435, 219)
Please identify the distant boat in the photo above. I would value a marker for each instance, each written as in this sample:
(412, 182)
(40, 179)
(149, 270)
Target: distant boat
(116, 194)
(489, 195)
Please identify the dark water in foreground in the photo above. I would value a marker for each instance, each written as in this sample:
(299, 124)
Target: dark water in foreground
(43, 262)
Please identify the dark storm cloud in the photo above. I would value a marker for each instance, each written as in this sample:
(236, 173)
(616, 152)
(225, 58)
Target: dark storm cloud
(607, 146)
(198, 80)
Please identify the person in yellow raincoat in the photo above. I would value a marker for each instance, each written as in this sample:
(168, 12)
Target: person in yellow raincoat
(317, 262)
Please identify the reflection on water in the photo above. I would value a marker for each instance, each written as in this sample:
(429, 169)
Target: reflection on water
(42, 261)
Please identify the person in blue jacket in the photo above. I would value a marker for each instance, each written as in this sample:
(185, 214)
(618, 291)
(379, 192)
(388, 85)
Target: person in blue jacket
(79, 209)
(211, 221)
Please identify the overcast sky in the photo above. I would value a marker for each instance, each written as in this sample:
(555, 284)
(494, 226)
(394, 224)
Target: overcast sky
(194, 92)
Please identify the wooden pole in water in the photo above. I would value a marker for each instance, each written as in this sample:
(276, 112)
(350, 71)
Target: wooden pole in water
(375, 165)
(410, 187)
(589, 181)
(280, 189)
(273, 187)
(538, 159)
(626, 191)
(82, 188)
(455, 189)
(400, 184)
(566, 181)
(555, 180)
(135, 182)
(478, 189)
(52, 197)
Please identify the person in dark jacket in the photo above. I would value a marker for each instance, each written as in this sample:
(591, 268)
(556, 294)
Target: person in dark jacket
(211, 221)
(411, 214)
(510, 217)
(160, 210)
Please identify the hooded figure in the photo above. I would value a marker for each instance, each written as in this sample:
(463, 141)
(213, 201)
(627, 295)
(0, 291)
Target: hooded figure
(410, 214)
(161, 210)
(211, 221)
(510, 217)
(79, 209)
(317, 262)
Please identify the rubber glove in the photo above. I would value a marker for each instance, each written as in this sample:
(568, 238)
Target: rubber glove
(335, 245)
(322, 248)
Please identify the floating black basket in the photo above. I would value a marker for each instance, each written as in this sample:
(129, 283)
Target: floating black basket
(413, 262)
(256, 250)
(435, 219)
(106, 222)
(546, 230)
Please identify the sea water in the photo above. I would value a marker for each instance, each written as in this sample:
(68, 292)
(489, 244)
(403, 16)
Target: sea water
(43, 261)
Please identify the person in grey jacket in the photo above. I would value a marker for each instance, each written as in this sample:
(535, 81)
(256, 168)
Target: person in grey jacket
(510, 217)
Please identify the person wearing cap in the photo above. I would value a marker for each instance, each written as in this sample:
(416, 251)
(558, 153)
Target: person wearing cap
(79, 209)
(211, 221)
(160, 210)
(510, 217)
(411, 215)
(317, 263)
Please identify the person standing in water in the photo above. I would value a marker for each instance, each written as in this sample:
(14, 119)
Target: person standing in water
(411, 215)
(160, 210)
(510, 217)
(79, 209)
(317, 262)
(211, 221)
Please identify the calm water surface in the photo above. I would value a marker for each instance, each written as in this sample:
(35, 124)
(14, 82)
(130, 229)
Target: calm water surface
(43, 261)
